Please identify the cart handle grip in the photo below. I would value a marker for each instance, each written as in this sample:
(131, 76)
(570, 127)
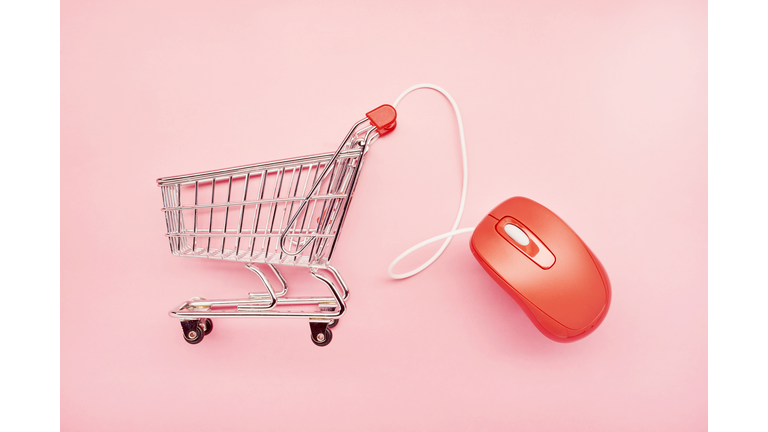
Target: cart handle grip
(384, 118)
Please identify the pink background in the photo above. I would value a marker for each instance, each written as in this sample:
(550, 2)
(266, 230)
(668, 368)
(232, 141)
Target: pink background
(596, 109)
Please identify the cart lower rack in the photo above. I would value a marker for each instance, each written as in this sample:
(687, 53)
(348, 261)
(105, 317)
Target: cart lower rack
(281, 213)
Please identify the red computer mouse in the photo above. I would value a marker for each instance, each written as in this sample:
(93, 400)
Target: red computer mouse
(545, 267)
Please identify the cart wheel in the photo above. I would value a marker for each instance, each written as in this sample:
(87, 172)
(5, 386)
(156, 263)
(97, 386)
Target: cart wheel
(208, 326)
(193, 334)
(333, 323)
(322, 339)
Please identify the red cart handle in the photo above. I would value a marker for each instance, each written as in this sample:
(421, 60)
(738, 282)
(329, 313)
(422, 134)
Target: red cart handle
(384, 118)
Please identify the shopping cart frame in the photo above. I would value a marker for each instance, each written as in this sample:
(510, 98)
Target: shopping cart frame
(300, 240)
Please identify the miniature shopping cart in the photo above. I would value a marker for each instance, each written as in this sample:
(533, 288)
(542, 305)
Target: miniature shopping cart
(283, 213)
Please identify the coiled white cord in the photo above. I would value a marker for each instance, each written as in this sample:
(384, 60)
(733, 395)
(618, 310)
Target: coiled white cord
(449, 235)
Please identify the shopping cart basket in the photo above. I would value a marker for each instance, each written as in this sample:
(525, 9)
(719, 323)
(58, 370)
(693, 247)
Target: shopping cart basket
(288, 212)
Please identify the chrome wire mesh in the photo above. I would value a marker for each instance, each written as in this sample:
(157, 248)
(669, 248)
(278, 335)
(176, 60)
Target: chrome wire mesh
(239, 214)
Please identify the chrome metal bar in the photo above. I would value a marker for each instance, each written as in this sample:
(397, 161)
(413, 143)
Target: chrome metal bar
(269, 213)
(312, 215)
(262, 296)
(285, 206)
(267, 285)
(278, 188)
(195, 223)
(203, 304)
(281, 279)
(257, 212)
(207, 234)
(370, 136)
(303, 193)
(210, 221)
(342, 307)
(323, 220)
(168, 216)
(180, 215)
(316, 185)
(242, 211)
(226, 213)
(294, 195)
(186, 314)
(343, 285)
(264, 201)
(267, 166)
(335, 204)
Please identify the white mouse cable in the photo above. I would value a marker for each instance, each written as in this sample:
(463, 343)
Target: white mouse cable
(449, 235)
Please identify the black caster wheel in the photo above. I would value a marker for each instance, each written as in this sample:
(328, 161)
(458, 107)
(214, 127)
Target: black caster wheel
(208, 324)
(193, 333)
(322, 339)
(332, 324)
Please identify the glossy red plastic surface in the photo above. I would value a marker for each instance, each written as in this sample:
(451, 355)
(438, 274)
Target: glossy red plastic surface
(566, 301)
(384, 118)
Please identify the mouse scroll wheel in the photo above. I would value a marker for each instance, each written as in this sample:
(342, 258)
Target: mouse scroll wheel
(516, 234)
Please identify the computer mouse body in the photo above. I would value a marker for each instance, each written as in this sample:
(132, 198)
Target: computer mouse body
(546, 268)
